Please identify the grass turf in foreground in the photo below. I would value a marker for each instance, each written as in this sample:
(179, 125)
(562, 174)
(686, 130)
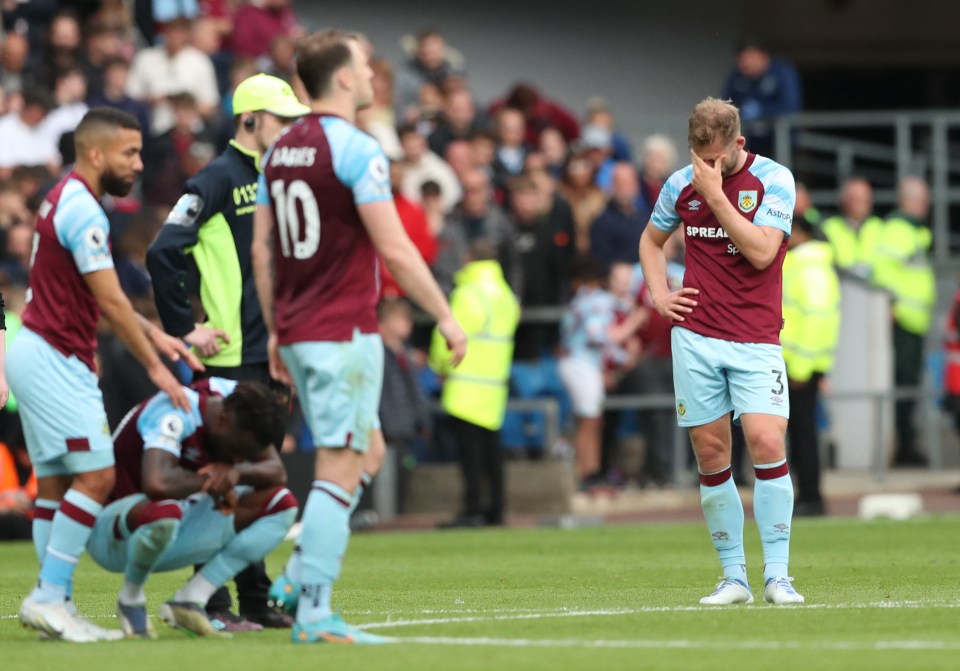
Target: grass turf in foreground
(880, 595)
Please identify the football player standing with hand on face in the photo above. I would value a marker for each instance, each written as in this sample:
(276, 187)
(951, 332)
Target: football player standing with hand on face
(737, 208)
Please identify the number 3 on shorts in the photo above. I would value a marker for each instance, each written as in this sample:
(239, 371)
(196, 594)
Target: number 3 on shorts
(777, 390)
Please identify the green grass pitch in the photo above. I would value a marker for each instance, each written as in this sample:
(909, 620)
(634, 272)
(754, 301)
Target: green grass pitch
(880, 595)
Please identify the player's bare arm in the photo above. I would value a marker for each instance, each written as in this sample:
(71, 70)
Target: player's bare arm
(758, 244)
(261, 252)
(167, 345)
(670, 304)
(264, 470)
(105, 287)
(411, 272)
(163, 478)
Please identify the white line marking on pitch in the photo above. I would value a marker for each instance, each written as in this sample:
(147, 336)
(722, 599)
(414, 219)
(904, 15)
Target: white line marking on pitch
(681, 644)
(514, 615)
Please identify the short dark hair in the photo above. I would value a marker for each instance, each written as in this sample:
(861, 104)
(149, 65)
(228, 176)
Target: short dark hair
(255, 408)
(99, 120)
(319, 56)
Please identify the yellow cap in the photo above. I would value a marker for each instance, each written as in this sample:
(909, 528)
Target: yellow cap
(268, 94)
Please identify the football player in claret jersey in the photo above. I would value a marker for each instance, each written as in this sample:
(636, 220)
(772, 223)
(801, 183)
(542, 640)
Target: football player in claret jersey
(325, 211)
(50, 366)
(737, 208)
(203, 485)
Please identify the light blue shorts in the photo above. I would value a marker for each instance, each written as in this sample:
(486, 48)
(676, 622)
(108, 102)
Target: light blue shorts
(711, 377)
(204, 532)
(338, 384)
(61, 408)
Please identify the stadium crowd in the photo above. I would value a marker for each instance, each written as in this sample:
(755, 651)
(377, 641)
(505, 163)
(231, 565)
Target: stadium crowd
(561, 194)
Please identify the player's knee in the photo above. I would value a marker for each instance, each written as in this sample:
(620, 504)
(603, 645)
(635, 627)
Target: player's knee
(767, 447)
(280, 501)
(159, 522)
(712, 453)
(154, 511)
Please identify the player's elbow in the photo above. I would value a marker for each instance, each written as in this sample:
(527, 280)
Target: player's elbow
(762, 259)
(155, 486)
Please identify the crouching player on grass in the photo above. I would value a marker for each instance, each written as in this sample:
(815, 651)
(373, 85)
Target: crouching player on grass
(198, 487)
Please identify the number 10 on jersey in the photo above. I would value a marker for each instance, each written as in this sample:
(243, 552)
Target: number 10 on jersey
(285, 199)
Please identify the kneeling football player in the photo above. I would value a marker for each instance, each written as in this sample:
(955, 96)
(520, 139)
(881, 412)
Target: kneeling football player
(198, 487)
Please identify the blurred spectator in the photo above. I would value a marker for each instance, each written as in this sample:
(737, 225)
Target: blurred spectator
(422, 165)
(379, 119)
(854, 232)
(103, 43)
(432, 61)
(116, 72)
(587, 200)
(475, 393)
(205, 37)
(18, 491)
(588, 330)
(657, 164)
(599, 114)
(258, 22)
(15, 76)
(62, 50)
(280, 59)
(804, 208)
(508, 128)
(178, 154)
(478, 215)
(903, 267)
(536, 257)
(538, 112)
(483, 151)
(596, 143)
(615, 235)
(69, 94)
(458, 120)
(18, 247)
(23, 138)
(175, 67)
(555, 150)
(811, 318)
(652, 374)
(459, 156)
(13, 206)
(415, 223)
(762, 87)
(404, 412)
(951, 369)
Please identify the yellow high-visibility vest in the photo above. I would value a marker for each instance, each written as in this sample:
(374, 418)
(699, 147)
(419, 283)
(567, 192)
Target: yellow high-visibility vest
(811, 310)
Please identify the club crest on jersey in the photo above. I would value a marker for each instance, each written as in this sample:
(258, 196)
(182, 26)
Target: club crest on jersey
(747, 202)
(681, 408)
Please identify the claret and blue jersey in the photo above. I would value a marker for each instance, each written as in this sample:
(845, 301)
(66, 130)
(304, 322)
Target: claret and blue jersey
(737, 302)
(158, 424)
(326, 268)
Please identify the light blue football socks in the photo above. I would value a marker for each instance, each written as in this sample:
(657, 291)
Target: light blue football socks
(69, 532)
(723, 512)
(324, 539)
(773, 510)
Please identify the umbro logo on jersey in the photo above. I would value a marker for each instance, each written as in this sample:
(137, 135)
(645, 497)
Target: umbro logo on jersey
(694, 205)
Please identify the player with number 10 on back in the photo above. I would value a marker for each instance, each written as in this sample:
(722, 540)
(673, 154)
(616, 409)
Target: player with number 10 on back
(325, 211)
(737, 209)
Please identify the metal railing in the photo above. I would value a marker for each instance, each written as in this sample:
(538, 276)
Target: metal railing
(923, 395)
(826, 144)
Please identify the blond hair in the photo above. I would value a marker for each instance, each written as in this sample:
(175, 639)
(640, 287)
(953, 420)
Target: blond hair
(713, 119)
